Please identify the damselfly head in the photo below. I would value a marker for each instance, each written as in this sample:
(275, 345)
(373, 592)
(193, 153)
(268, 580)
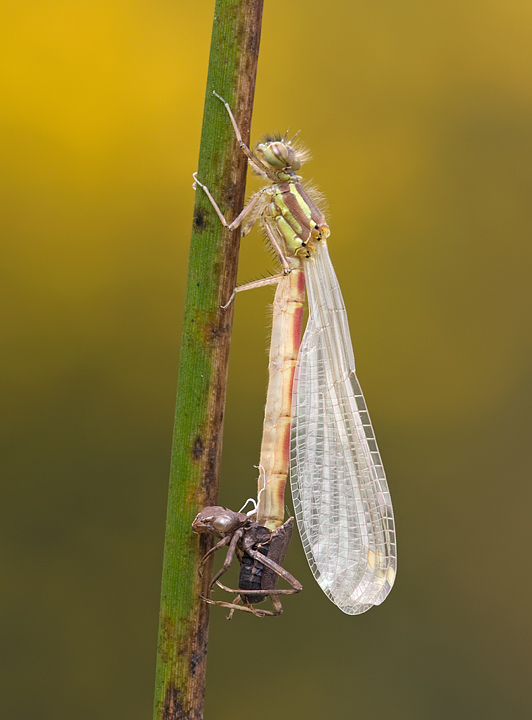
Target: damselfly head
(280, 154)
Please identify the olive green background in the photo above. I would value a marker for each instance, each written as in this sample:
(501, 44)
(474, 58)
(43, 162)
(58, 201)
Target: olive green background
(419, 117)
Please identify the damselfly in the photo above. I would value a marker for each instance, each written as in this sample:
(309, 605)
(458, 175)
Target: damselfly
(341, 498)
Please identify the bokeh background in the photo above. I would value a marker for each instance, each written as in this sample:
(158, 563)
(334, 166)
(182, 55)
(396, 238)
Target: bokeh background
(419, 116)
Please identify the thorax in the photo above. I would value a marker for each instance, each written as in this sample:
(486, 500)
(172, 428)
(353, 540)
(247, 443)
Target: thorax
(294, 217)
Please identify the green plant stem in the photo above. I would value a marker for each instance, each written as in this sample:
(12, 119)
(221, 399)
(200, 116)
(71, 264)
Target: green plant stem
(197, 441)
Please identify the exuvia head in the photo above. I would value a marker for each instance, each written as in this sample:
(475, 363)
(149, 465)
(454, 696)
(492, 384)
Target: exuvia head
(218, 519)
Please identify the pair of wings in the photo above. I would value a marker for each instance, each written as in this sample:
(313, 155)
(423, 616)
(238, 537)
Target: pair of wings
(341, 498)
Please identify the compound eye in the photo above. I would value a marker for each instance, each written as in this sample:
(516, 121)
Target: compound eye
(223, 523)
(281, 152)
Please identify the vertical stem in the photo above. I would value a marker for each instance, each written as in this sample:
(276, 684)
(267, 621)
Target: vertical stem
(197, 441)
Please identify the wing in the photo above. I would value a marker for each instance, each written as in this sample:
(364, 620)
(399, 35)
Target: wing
(341, 498)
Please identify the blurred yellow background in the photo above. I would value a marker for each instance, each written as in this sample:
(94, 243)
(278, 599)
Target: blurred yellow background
(419, 118)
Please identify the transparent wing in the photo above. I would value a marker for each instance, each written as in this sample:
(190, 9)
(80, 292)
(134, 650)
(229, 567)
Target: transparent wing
(341, 498)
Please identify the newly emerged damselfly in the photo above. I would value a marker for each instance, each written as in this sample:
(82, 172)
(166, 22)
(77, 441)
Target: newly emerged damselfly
(341, 498)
